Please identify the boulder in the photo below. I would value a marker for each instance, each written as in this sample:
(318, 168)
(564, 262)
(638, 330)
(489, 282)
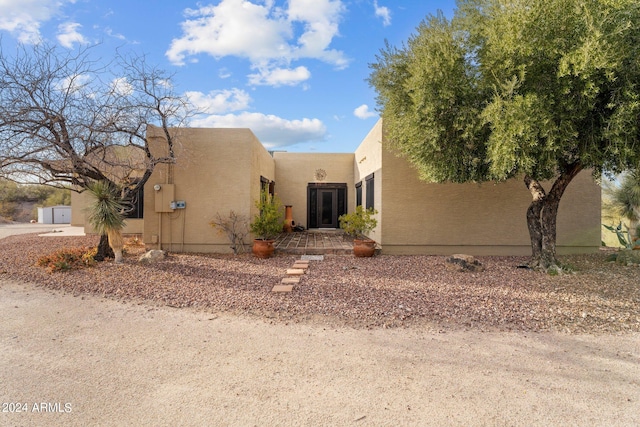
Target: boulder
(152, 256)
(462, 262)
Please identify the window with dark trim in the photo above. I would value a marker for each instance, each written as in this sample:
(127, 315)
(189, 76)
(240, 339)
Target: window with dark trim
(359, 193)
(134, 207)
(369, 191)
(266, 185)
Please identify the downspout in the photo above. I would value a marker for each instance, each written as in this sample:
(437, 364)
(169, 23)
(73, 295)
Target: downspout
(160, 230)
(184, 222)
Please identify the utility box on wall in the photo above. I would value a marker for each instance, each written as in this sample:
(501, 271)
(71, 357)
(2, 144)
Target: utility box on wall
(164, 195)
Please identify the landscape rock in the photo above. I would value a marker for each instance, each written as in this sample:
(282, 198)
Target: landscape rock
(152, 256)
(462, 262)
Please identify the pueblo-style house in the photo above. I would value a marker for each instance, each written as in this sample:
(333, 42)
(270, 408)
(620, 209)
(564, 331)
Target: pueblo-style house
(223, 170)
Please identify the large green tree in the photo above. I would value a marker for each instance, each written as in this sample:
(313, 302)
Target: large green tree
(534, 89)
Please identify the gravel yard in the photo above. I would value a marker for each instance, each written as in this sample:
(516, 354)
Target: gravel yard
(384, 291)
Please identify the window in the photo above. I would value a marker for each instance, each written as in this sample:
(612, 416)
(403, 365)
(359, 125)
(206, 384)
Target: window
(266, 185)
(134, 206)
(359, 194)
(370, 191)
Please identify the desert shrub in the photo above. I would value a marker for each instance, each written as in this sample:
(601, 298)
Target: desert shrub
(235, 226)
(58, 196)
(67, 259)
(8, 210)
(134, 241)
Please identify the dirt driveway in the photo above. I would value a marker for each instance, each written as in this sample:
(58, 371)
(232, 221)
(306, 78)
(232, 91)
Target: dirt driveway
(81, 361)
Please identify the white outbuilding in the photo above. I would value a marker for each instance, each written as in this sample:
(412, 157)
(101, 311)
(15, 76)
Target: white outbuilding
(54, 215)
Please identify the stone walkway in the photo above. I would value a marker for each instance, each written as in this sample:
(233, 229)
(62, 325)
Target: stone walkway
(314, 242)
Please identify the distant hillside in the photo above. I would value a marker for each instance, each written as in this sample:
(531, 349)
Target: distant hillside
(19, 203)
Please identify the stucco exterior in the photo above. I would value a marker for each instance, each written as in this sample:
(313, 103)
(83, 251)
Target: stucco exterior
(219, 170)
(368, 161)
(416, 217)
(479, 219)
(295, 171)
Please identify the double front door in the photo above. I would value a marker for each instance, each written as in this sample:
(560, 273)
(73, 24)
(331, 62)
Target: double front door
(326, 202)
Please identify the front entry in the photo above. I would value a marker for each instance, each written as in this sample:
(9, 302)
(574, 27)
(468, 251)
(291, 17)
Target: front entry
(326, 202)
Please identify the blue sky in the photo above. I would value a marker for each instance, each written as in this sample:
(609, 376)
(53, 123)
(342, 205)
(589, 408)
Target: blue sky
(292, 71)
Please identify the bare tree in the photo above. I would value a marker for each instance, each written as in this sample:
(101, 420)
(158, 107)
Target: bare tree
(69, 118)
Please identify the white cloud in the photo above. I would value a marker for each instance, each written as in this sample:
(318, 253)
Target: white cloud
(220, 101)
(362, 112)
(109, 31)
(269, 36)
(23, 18)
(68, 34)
(382, 12)
(321, 19)
(73, 84)
(121, 86)
(280, 76)
(233, 27)
(272, 131)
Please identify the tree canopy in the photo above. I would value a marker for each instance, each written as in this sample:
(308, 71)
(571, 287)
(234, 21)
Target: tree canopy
(539, 89)
(67, 117)
(70, 119)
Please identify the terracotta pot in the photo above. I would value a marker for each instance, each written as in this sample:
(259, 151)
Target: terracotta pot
(263, 248)
(364, 248)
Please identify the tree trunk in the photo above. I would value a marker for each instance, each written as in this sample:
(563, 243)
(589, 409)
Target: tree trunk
(117, 243)
(104, 250)
(542, 216)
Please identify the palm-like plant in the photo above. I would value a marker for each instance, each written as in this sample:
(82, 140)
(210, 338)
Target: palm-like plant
(105, 214)
(624, 200)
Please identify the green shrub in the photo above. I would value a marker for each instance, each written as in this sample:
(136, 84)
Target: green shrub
(270, 219)
(360, 222)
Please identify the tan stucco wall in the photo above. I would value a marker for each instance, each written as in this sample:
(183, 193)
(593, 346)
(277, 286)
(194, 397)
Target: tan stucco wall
(479, 219)
(368, 160)
(294, 171)
(217, 170)
(77, 209)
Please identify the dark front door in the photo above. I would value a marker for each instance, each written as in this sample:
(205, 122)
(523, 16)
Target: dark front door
(328, 208)
(326, 203)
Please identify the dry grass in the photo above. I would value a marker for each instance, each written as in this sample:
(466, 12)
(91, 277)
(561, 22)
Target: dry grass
(385, 291)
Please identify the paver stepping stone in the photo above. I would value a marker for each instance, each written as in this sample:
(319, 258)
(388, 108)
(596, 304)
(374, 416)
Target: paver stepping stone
(290, 280)
(282, 288)
(313, 257)
(295, 271)
(302, 266)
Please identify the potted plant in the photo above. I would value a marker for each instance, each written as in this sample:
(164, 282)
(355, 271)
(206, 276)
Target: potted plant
(267, 224)
(357, 224)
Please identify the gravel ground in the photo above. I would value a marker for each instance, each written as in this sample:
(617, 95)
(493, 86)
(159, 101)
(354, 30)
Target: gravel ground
(384, 291)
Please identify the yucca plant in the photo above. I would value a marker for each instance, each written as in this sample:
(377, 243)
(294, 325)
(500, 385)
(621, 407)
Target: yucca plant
(105, 214)
(624, 201)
